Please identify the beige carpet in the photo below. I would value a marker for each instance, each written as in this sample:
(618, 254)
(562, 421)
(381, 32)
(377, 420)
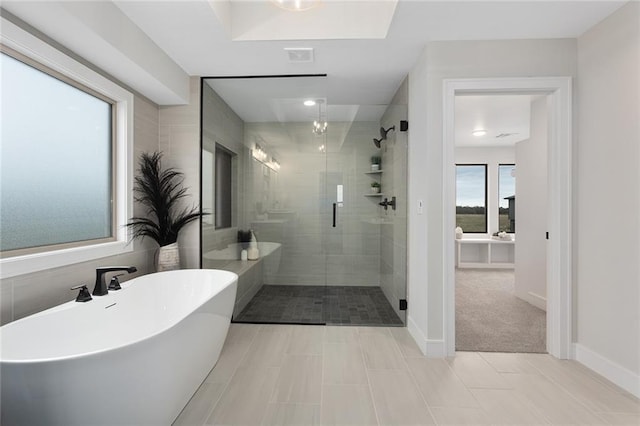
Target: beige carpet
(489, 318)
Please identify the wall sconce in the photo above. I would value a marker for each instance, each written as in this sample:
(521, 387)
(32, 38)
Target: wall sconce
(274, 164)
(258, 153)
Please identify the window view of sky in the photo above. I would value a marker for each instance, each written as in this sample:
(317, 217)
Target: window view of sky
(470, 185)
(506, 183)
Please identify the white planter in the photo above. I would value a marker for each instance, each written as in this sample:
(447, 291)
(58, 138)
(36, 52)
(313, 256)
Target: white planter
(168, 258)
(375, 189)
(375, 167)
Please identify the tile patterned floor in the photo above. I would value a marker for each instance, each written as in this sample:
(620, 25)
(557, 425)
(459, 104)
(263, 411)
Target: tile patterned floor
(315, 375)
(320, 305)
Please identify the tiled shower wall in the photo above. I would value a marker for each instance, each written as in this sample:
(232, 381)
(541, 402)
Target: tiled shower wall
(299, 209)
(393, 235)
(179, 136)
(221, 125)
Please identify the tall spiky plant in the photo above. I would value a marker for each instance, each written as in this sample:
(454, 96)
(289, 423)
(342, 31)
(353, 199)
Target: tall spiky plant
(160, 191)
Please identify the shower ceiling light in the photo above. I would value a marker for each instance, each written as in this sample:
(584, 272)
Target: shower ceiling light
(479, 132)
(320, 125)
(309, 102)
(319, 128)
(296, 5)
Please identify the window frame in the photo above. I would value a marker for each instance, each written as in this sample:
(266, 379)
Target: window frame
(42, 55)
(499, 198)
(486, 196)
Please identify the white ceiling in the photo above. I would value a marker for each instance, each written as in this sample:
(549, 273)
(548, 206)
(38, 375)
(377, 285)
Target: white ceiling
(361, 71)
(152, 44)
(506, 118)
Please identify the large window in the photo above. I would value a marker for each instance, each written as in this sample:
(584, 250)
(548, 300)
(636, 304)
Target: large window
(66, 158)
(56, 181)
(471, 197)
(506, 196)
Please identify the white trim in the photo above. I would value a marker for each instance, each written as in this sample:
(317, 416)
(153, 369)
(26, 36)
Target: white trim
(436, 349)
(626, 379)
(429, 348)
(537, 301)
(559, 277)
(417, 335)
(27, 44)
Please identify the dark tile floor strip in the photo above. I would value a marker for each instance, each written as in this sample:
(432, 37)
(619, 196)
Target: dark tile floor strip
(296, 304)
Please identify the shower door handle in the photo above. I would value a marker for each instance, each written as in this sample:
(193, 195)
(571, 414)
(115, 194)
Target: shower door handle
(335, 205)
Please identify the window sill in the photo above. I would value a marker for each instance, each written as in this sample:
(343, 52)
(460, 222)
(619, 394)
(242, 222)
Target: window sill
(21, 265)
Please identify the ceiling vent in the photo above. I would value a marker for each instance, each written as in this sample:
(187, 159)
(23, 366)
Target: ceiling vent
(505, 135)
(299, 54)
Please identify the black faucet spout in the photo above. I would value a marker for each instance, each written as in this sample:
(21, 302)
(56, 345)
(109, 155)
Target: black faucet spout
(100, 288)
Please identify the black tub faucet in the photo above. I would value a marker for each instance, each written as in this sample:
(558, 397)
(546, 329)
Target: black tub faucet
(101, 285)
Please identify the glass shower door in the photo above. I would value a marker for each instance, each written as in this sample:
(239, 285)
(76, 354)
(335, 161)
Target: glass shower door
(301, 181)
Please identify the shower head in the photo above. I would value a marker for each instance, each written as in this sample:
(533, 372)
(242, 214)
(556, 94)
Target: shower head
(376, 142)
(383, 132)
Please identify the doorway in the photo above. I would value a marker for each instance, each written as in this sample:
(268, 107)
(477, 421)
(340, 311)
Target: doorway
(501, 209)
(558, 329)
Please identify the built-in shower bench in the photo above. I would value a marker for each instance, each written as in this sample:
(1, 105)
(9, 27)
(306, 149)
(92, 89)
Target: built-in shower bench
(250, 278)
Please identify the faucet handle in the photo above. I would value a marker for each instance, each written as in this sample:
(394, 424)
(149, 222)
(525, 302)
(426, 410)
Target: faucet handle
(114, 284)
(84, 295)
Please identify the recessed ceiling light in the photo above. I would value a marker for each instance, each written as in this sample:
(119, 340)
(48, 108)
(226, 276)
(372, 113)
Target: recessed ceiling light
(479, 132)
(309, 102)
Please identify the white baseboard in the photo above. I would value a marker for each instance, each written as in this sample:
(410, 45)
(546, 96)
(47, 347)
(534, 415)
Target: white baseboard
(417, 335)
(537, 300)
(429, 348)
(436, 349)
(626, 379)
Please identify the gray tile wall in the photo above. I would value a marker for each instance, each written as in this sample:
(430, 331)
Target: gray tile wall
(179, 136)
(298, 202)
(221, 125)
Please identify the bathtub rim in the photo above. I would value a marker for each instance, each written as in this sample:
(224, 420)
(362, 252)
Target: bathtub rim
(233, 278)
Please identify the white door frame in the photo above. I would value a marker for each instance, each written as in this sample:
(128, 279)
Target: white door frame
(559, 274)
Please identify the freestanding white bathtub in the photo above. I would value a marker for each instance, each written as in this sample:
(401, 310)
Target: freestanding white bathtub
(134, 356)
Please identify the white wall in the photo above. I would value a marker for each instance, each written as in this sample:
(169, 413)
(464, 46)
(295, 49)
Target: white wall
(443, 60)
(608, 197)
(492, 157)
(531, 210)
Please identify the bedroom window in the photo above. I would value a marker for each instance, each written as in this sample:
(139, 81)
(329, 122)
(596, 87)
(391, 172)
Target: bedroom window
(471, 197)
(506, 197)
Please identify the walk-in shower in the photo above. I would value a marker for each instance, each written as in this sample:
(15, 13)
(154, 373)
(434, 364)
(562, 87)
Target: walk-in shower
(287, 158)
